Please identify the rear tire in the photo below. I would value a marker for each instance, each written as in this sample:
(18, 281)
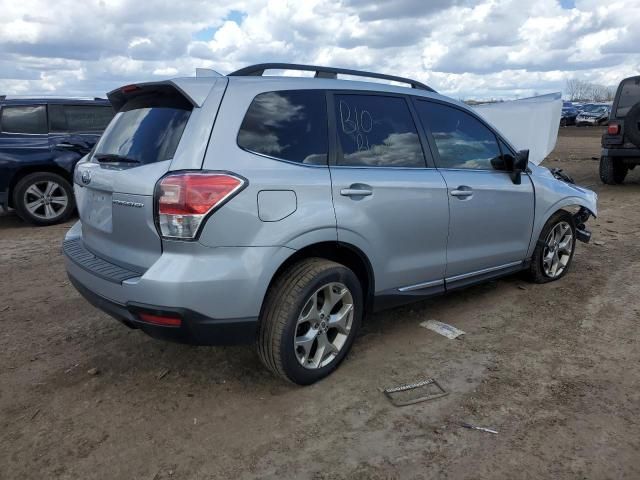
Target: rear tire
(304, 335)
(555, 248)
(612, 170)
(43, 198)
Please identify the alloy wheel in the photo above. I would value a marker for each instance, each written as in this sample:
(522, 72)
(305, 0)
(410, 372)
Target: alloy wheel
(557, 250)
(324, 325)
(45, 200)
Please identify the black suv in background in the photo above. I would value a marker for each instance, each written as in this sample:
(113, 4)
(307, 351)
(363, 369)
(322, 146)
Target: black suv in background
(41, 140)
(621, 142)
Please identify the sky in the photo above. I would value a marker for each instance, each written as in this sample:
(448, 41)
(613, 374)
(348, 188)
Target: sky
(463, 48)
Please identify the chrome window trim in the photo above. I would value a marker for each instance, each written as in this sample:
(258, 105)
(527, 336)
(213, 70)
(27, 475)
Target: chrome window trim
(283, 159)
(420, 286)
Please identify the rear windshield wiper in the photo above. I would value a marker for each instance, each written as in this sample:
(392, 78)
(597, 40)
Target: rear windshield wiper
(112, 157)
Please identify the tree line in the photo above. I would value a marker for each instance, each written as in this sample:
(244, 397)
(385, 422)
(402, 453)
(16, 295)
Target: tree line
(581, 91)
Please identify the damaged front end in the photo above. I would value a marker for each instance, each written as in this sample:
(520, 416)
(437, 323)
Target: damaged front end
(555, 190)
(560, 175)
(579, 220)
(582, 215)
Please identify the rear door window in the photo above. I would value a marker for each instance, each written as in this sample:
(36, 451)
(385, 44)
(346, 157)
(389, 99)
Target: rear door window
(144, 132)
(287, 125)
(629, 96)
(79, 118)
(30, 119)
(461, 139)
(376, 131)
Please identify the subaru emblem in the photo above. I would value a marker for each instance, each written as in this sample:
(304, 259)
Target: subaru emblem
(86, 177)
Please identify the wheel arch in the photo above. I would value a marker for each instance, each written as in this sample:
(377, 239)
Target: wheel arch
(344, 253)
(571, 205)
(29, 169)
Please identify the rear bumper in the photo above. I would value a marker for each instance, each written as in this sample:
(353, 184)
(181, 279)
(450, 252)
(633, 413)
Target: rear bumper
(217, 292)
(622, 152)
(196, 329)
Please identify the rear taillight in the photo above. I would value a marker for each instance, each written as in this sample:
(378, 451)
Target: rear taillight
(129, 88)
(184, 199)
(613, 129)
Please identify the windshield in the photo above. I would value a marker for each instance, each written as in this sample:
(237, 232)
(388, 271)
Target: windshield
(143, 135)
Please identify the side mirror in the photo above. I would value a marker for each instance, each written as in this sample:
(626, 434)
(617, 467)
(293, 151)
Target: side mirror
(520, 164)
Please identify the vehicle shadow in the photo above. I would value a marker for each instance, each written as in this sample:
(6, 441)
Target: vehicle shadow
(9, 220)
(198, 369)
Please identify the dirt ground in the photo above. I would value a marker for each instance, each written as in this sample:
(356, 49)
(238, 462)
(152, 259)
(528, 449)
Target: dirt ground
(555, 369)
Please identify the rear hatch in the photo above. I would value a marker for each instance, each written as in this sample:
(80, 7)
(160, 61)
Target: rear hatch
(114, 187)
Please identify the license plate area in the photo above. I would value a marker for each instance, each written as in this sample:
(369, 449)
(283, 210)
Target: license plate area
(95, 208)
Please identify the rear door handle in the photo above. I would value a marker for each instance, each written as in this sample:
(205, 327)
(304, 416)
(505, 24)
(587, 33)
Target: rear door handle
(462, 191)
(356, 192)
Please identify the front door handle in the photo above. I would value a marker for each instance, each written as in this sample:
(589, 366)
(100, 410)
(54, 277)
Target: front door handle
(462, 192)
(356, 191)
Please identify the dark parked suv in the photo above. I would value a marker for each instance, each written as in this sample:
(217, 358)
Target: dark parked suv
(41, 140)
(621, 142)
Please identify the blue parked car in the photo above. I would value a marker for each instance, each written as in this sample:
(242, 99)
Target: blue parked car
(41, 140)
(569, 114)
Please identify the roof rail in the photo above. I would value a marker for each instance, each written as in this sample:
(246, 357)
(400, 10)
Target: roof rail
(48, 97)
(323, 72)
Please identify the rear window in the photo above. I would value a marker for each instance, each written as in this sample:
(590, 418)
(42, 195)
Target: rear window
(145, 131)
(629, 96)
(288, 125)
(31, 119)
(79, 118)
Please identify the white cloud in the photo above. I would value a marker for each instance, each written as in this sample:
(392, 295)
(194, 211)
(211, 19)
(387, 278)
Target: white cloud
(464, 48)
(166, 72)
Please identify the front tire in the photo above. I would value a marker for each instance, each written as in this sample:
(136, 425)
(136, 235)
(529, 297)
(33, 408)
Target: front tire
(43, 198)
(554, 251)
(311, 316)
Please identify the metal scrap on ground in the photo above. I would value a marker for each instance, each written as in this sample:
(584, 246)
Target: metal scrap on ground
(482, 429)
(421, 391)
(442, 328)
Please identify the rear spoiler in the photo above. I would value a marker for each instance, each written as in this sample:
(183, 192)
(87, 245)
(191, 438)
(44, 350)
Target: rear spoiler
(195, 90)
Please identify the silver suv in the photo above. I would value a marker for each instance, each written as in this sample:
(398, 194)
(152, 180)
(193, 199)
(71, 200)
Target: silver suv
(280, 210)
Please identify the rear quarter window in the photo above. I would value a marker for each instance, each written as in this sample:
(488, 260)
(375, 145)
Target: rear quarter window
(288, 125)
(79, 118)
(26, 119)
